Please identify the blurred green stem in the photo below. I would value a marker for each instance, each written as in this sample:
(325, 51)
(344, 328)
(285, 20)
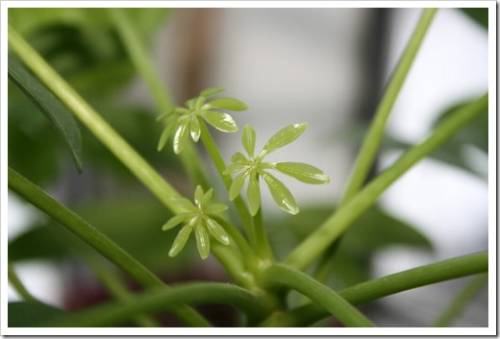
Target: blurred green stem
(164, 299)
(460, 302)
(371, 290)
(281, 275)
(142, 61)
(18, 285)
(371, 144)
(318, 241)
(97, 240)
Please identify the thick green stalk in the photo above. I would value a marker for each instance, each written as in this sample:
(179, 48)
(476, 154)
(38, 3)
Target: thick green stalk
(220, 166)
(115, 313)
(281, 275)
(18, 285)
(93, 237)
(461, 301)
(95, 123)
(373, 139)
(262, 242)
(142, 61)
(402, 281)
(371, 144)
(314, 245)
(117, 289)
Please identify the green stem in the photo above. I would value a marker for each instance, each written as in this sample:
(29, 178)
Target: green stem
(402, 281)
(220, 166)
(95, 123)
(461, 301)
(118, 289)
(281, 275)
(371, 144)
(315, 244)
(93, 237)
(263, 247)
(18, 285)
(115, 313)
(142, 61)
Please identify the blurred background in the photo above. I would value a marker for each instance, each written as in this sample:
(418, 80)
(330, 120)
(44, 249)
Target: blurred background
(324, 66)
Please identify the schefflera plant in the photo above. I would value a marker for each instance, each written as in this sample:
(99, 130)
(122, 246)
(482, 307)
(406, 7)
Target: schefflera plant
(253, 167)
(183, 122)
(200, 218)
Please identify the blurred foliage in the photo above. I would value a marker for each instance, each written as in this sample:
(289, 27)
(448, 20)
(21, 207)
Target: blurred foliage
(372, 232)
(479, 15)
(28, 314)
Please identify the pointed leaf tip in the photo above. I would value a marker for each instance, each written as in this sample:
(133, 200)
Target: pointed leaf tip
(284, 137)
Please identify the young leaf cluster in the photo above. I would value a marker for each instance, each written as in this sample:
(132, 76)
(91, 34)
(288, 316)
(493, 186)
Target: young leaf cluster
(184, 122)
(253, 167)
(200, 218)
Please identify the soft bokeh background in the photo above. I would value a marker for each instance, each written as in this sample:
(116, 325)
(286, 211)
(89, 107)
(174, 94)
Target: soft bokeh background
(323, 66)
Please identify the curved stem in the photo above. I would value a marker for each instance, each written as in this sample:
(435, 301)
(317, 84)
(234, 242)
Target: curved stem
(315, 244)
(402, 281)
(213, 152)
(163, 299)
(371, 144)
(18, 285)
(92, 236)
(461, 301)
(281, 275)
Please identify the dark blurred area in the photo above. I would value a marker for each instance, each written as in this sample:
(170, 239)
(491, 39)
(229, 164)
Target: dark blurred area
(325, 66)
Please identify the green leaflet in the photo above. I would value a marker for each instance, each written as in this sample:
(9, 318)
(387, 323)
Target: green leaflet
(284, 136)
(180, 137)
(180, 241)
(217, 231)
(253, 195)
(236, 186)
(248, 139)
(207, 92)
(194, 129)
(281, 194)
(231, 104)
(303, 172)
(50, 105)
(221, 121)
(174, 221)
(202, 241)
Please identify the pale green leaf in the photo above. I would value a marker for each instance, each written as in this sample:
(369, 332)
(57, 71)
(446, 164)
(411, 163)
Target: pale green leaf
(238, 157)
(180, 137)
(281, 194)
(236, 185)
(180, 240)
(184, 204)
(235, 167)
(220, 120)
(207, 92)
(207, 197)
(174, 221)
(198, 194)
(202, 241)
(284, 136)
(165, 135)
(216, 208)
(194, 129)
(303, 172)
(230, 104)
(253, 195)
(248, 139)
(199, 102)
(217, 231)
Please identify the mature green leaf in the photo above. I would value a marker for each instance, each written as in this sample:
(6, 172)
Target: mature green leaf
(253, 195)
(284, 136)
(479, 15)
(31, 314)
(222, 121)
(248, 139)
(236, 185)
(230, 104)
(217, 231)
(281, 194)
(207, 92)
(202, 241)
(181, 240)
(303, 172)
(53, 109)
